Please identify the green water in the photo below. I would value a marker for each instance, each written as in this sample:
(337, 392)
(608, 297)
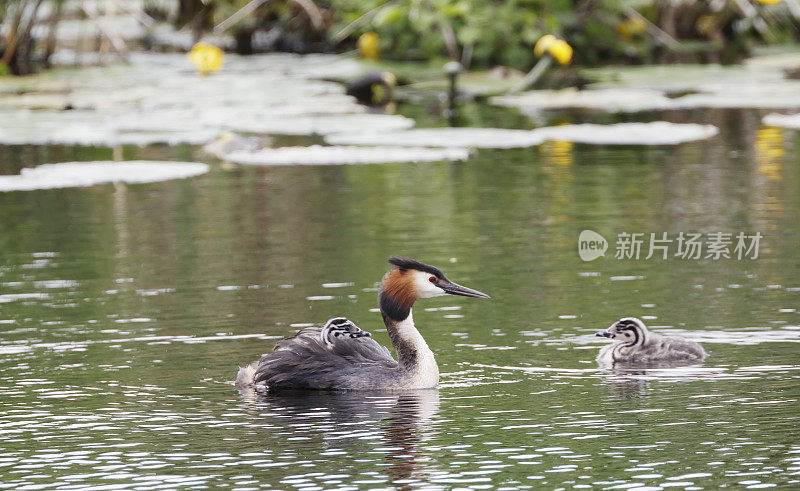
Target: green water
(125, 311)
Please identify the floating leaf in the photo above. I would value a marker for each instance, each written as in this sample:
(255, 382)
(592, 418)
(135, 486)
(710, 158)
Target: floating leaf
(656, 133)
(338, 155)
(92, 128)
(319, 125)
(156, 99)
(680, 77)
(765, 94)
(790, 121)
(82, 174)
(443, 137)
(759, 83)
(611, 99)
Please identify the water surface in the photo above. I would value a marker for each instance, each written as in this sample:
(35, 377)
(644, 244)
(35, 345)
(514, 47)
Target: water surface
(125, 310)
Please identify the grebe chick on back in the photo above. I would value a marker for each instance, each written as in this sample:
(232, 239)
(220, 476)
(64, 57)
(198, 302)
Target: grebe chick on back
(339, 355)
(635, 345)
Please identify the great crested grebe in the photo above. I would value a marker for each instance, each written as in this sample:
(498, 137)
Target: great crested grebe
(339, 355)
(636, 345)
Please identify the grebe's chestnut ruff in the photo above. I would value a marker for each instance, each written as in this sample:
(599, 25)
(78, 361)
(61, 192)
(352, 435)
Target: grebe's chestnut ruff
(339, 355)
(634, 344)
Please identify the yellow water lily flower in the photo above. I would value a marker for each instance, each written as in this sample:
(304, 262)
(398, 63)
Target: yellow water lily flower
(561, 51)
(206, 58)
(543, 44)
(555, 47)
(368, 46)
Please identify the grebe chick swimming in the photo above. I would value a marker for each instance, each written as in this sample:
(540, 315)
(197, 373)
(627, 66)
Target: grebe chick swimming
(339, 355)
(634, 344)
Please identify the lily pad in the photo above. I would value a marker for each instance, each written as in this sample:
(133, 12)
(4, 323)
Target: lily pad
(679, 78)
(771, 60)
(319, 125)
(759, 83)
(610, 99)
(443, 137)
(339, 155)
(83, 174)
(765, 95)
(158, 98)
(790, 121)
(92, 128)
(656, 133)
(771, 95)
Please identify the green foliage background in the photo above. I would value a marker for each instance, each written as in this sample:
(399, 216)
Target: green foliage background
(479, 33)
(484, 33)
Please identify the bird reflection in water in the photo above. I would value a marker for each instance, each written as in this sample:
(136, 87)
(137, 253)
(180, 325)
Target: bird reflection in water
(403, 420)
(627, 383)
(631, 382)
(405, 429)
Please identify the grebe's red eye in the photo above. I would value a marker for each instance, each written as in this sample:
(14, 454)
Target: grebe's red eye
(432, 279)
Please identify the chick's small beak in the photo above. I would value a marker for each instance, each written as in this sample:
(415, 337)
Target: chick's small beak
(456, 289)
(611, 332)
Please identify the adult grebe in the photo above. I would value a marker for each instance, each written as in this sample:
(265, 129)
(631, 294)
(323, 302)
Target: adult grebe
(637, 345)
(339, 355)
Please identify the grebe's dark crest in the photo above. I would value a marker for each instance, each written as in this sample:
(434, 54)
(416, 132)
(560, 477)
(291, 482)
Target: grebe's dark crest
(339, 355)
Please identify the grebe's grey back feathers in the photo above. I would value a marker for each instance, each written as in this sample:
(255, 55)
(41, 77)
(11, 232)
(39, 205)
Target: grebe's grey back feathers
(316, 357)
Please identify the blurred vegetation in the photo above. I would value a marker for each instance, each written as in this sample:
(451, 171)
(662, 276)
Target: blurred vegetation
(16, 43)
(479, 33)
(485, 33)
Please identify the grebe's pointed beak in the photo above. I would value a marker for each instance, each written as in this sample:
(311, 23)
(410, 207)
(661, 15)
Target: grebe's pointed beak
(456, 289)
